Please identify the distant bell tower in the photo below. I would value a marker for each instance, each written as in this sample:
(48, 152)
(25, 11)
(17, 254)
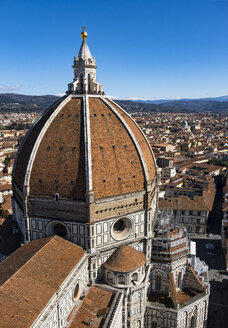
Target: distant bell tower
(85, 71)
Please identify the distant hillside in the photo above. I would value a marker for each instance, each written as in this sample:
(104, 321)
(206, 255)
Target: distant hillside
(17, 102)
(161, 101)
(176, 106)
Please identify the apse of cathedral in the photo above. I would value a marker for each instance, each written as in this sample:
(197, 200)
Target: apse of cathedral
(95, 251)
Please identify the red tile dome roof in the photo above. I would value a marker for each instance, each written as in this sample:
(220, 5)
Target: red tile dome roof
(125, 259)
(84, 143)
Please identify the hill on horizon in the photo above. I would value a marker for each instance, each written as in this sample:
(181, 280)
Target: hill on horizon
(18, 102)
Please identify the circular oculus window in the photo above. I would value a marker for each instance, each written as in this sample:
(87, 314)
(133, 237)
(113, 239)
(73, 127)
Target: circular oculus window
(121, 228)
(57, 228)
(60, 230)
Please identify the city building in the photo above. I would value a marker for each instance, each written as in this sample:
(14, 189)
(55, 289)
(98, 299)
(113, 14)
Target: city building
(191, 213)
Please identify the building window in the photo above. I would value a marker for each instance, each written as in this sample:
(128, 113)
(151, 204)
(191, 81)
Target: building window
(154, 324)
(121, 279)
(158, 283)
(193, 321)
(89, 87)
(76, 292)
(60, 230)
(121, 229)
(56, 196)
(179, 280)
(81, 83)
(134, 277)
(110, 277)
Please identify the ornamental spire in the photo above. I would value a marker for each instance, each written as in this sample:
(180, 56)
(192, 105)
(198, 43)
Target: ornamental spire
(85, 71)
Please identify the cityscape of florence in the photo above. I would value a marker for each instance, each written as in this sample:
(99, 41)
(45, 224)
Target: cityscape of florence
(113, 180)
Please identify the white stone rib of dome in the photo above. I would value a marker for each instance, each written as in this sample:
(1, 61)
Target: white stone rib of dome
(132, 137)
(38, 141)
(84, 52)
(88, 158)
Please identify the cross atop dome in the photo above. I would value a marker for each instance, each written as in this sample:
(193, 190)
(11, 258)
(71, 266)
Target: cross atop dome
(85, 71)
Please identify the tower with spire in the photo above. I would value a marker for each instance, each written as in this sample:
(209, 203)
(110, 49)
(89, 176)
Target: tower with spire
(85, 71)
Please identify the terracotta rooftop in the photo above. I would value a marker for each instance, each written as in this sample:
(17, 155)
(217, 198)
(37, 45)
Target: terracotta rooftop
(184, 295)
(183, 203)
(7, 205)
(175, 248)
(161, 298)
(31, 276)
(125, 259)
(95, 305)
(172, 233)
(5, 187)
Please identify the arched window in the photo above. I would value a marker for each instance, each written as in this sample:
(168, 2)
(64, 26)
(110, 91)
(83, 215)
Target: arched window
(136, 295)
(89, 83)
(137, 324)
(154, 324)
(76, 292)
(134, 276)
(109, 277)
(205, 311)
(186, 319)
(121, 279)
(193, 321)
(157, 282)
(81, 83)
(179, 280)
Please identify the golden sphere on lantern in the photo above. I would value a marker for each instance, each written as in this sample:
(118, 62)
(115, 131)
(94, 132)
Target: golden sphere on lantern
(84, 35)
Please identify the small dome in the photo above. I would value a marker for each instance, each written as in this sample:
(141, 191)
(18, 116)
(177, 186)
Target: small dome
(125, 259)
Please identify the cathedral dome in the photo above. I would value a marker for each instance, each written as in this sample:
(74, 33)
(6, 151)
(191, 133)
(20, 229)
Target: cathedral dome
(84, 143)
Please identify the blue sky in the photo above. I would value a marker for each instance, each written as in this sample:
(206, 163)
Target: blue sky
(143, 49)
